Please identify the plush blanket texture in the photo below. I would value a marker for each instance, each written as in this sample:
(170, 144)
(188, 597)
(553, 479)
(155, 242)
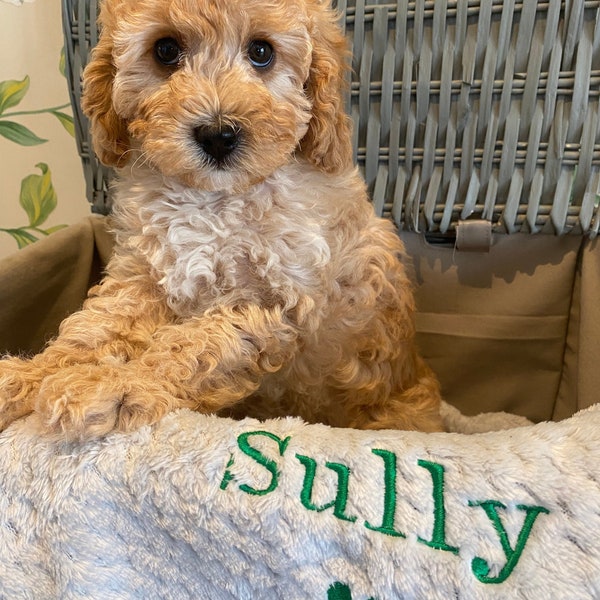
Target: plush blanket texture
(207, 508)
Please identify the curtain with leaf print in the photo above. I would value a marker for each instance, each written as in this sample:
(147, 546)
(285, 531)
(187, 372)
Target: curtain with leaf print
(41, 183)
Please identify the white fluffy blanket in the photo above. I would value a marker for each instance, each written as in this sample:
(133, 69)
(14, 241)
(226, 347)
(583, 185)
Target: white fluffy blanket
(207, 508)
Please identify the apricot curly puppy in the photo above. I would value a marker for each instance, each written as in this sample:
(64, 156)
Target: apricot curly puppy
(251, 275)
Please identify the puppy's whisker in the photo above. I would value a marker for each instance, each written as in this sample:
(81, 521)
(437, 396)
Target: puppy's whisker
(141, 160)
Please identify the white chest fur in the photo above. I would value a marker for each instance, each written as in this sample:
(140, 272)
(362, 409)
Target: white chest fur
(269, 244)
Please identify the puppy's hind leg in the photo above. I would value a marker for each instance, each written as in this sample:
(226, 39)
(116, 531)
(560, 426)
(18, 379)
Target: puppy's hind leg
(414, 408)
(19, 384)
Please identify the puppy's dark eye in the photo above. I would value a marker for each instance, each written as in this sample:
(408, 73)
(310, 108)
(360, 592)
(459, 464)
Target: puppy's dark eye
(260, 53)
(168, 52)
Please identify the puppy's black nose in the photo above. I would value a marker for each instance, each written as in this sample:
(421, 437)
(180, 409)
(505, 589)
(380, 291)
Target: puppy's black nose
(217, 142)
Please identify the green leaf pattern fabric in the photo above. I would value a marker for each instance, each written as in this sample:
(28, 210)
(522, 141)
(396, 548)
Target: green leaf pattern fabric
(38, 197)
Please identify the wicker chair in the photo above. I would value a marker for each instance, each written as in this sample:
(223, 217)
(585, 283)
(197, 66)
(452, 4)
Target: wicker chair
(473, 121)
(462, 111)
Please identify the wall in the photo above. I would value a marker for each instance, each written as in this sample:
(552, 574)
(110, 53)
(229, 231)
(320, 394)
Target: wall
(41, 180)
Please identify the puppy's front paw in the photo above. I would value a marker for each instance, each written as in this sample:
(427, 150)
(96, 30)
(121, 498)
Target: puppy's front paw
(19, 383)
(90, 401)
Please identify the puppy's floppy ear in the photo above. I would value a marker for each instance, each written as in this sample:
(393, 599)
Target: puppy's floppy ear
(109, 131)
(327, 143)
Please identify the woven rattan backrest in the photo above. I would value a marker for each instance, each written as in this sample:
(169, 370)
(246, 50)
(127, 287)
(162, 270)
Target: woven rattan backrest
(81, 35)
(463, 110)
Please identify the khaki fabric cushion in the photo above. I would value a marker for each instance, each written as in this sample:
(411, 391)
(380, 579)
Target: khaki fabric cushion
(494, 325)
(515, 329)
(580, 386)
(43, 283)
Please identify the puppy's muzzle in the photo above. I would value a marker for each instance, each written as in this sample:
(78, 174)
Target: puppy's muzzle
(217, 142)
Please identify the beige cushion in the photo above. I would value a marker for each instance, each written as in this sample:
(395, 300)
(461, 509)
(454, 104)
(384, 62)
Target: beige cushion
(494, 325)
(514, 329)
(580, 384)
(43, 283)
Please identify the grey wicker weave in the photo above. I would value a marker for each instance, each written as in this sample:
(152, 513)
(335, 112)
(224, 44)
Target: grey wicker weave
(482, 110)
(463, 110)
(81, 35)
